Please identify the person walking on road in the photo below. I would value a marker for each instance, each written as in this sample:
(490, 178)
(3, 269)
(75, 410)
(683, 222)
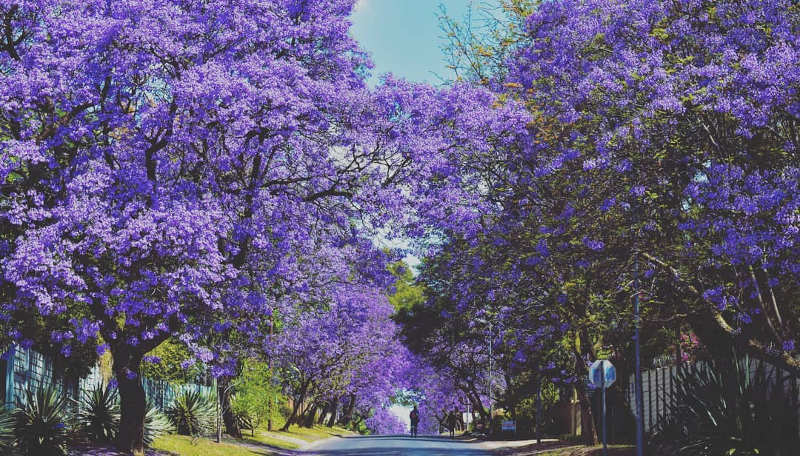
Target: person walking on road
(452, 420)
(414, 416)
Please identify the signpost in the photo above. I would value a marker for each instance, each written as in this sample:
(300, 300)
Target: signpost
(509, 426)
(602, 374)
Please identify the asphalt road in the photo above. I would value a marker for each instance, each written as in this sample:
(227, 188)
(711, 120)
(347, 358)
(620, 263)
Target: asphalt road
(397, 446)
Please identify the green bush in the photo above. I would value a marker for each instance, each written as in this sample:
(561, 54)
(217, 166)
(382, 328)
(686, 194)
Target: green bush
(192, 413)
(156, 424)
(732, 408)
(99, 413)
(257, 394)
(40, 423)
(7, 438)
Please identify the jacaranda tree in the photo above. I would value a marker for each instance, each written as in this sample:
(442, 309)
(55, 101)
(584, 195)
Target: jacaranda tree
(166, 164)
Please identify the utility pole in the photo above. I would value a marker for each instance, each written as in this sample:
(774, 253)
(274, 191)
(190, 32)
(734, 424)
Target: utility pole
(491, 367)
(489, 379)
(638, 373)
(539, 411)
(272, 375)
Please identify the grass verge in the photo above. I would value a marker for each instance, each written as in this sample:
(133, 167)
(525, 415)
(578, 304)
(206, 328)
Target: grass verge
(181, 445)
(613, 450)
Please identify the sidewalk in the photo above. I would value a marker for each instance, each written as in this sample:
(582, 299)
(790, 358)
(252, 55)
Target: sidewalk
(524, 447)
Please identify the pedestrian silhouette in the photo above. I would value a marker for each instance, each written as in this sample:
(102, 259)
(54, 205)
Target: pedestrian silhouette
(414, 416)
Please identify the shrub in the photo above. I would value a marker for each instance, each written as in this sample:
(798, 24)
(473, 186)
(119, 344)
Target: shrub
(192, 413)
(40, 423)
(6, 431)
(732, 408)
(99, 413)
(156, 424)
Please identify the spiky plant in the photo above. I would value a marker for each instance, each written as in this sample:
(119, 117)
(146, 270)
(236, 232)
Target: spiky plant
(156, 424)
(99, 413)
(40, 423)
(7, 438)
(733, 408)
(192, 413)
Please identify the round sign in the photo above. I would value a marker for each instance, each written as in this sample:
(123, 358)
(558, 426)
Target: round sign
(599, 369)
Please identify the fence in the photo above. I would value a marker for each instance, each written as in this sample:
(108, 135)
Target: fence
(23, 369)
(658, 390)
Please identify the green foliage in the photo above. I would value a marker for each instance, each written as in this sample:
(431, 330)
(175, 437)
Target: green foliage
(40, 423)
(99, 413)
(156, 424)
(192, 413)
(407, 292)
(6, 431)
(257, 393)
(171, 353)
(730, 408)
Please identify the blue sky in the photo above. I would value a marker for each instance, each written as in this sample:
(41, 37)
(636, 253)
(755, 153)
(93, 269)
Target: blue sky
(403, 36)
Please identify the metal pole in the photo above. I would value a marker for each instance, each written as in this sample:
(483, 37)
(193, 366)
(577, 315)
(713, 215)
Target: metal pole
(638, 373)
(271, 374)
(539, 413)
(603, 394)
(489, 380)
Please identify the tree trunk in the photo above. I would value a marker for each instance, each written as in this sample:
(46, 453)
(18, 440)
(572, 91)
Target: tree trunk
(325, 410)
(311, 414)
(293, 416)
(228, 417)
(334, 407)
(588, 431)
(298, 401)
(477, 405)
(132, 404)
(347, 415)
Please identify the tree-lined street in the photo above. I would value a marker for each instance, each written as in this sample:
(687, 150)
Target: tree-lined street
(223, 229)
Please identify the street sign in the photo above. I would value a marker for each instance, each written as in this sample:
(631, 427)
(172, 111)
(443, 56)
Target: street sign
(602, 375)
(596, 371)
(509, 426)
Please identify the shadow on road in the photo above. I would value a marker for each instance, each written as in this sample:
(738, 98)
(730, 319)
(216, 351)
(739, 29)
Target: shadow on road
(399, 445)
(401, 437)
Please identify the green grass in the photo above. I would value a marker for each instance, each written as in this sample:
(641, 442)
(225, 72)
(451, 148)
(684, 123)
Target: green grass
(262, 436)
(316, 433)
(181, 445)
(613, 450)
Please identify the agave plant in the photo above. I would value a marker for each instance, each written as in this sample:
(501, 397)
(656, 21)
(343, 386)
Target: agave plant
(732, 408)
(99, 413)
(156, 424)
(6, 431)
(192, 413)
(40, 423)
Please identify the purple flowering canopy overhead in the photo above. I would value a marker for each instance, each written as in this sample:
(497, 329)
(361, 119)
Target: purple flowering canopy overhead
(171, 168)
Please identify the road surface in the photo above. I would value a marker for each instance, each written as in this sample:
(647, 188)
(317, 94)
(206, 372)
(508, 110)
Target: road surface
(397, 446)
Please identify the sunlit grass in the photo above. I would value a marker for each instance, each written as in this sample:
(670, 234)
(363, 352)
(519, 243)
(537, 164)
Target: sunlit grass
(184, 446)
